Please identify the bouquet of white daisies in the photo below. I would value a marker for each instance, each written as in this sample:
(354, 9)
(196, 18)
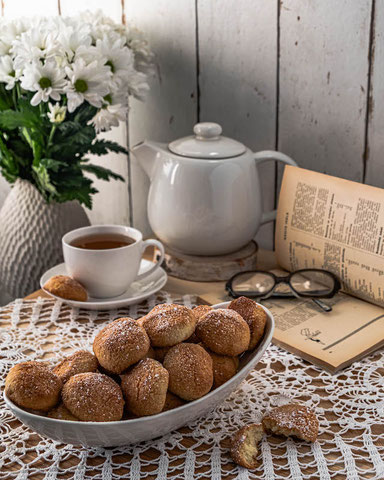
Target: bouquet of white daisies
(63, 80)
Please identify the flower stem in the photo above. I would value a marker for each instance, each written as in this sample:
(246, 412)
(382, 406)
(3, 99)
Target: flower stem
(50, 138)
(15, 97)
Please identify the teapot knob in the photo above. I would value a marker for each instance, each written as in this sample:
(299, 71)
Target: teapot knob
(207, 130)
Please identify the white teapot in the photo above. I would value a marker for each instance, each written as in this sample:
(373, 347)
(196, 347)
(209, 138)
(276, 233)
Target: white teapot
(205, 196)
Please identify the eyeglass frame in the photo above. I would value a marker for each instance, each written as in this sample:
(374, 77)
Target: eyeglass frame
(284, 279)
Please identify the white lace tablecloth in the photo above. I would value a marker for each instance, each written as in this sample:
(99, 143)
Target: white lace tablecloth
(349, 405)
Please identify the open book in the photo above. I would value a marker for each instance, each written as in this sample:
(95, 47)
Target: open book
(338, 225)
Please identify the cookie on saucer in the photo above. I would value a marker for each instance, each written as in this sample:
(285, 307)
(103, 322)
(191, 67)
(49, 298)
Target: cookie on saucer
(66, 287)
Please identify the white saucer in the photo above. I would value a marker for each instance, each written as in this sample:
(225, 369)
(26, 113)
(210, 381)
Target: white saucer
(136, 293)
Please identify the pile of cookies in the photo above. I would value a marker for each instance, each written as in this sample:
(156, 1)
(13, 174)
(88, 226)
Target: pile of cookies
(171, 356)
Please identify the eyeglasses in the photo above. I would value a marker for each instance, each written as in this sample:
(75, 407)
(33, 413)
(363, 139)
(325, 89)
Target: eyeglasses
(310, 282)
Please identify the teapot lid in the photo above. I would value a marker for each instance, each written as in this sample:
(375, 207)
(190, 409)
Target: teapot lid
(207, 143)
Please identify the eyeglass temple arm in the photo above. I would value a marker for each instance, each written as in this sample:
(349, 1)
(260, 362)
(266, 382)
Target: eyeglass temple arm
(318, 302)
(322, 305)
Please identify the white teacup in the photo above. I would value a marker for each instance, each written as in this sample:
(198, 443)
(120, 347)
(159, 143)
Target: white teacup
(109, 272)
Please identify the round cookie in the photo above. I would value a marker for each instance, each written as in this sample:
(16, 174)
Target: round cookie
(79, 362)
(160, 353)
(254, 315)
(33, 385)
(224, 332)
(66, 287)
(292, 419)
(169, 324)
(244, 445)
(172, 401)
(120, 344)
(193, 339)
(190, 371)
(201, 310)
(93, 397)
(151, 354)
(61, 412)
(155, 309)
(114, 376)
(224, 368)
(140, 321)
(145, 387)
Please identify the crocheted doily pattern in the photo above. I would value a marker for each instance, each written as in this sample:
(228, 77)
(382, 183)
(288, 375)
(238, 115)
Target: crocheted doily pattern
(349, 406)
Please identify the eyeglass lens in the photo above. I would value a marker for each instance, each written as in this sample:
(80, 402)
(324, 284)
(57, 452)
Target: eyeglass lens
(313, 283)
(310, 283)
(253, 282)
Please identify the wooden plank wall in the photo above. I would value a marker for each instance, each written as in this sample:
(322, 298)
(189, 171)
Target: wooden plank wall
(303, 77)
(231, 51)
(375, 123)
(323, 84)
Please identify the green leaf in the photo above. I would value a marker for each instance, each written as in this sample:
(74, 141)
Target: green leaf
(82, 195)
(21, 149)
(84, 136)
(51, 164)
(7, 160)
(9, 119)
(57, 167)
(5, 98)
(101, 147)
(69, 127)
(101, 172)
(83, 114)
(74, 136)
(43, 179)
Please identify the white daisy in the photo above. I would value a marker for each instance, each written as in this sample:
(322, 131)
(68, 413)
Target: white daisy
(137, 42)
(95, 18)
(90, 58)
(7, 72)
(56, 113)
(87, 82)
(108, 117)
(118, 58)
(90, 54)
(72, 38)
(10, 31)
(48, 81)
(36, 44)
(112, 113)
(137, 84)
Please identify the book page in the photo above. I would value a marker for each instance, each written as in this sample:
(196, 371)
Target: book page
(334, 224)
(332, 340)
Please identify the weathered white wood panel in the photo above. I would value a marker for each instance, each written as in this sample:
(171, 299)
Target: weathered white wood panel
(111, 204)
(237, 53)
(112, 8)
(170, 109)
(323, 81)
(28, 8)
(375, 151)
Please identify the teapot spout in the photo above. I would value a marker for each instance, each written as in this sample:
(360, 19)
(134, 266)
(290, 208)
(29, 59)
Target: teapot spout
(146, 154)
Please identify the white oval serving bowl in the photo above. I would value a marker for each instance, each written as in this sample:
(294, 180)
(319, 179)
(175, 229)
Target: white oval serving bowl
(125, 432)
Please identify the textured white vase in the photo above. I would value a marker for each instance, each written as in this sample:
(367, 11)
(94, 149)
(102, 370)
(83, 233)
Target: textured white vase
(30, 236)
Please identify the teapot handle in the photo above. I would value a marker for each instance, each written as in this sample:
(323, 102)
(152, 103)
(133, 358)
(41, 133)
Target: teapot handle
(264, 156)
